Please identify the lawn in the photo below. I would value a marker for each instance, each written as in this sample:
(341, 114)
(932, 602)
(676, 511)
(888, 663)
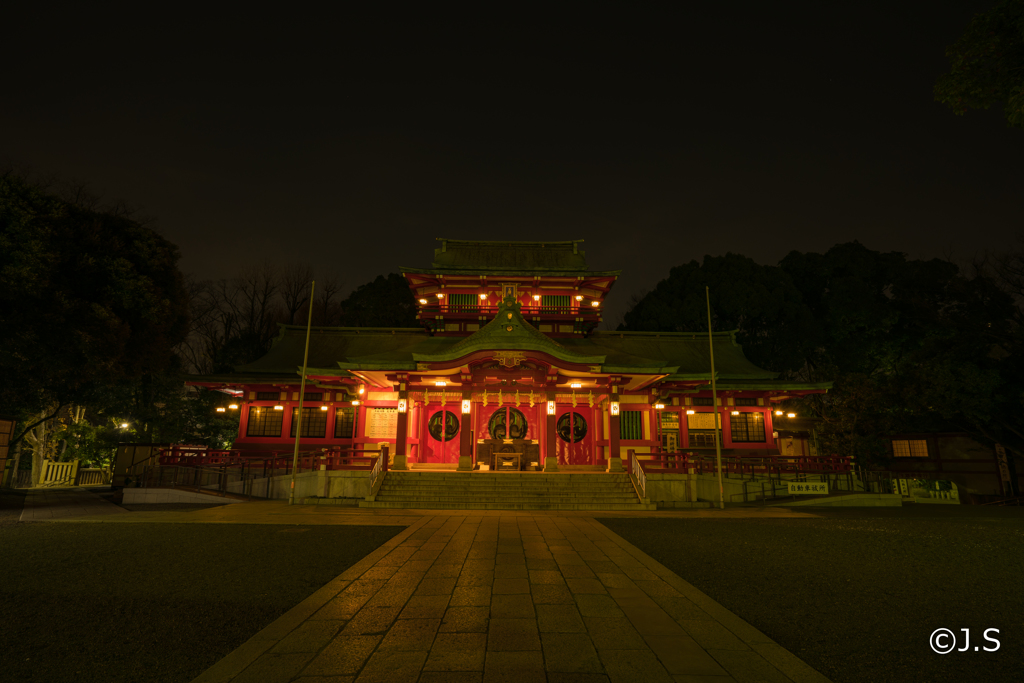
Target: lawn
(153, 602)
(857, 593)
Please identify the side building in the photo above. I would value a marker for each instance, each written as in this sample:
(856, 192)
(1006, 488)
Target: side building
(508, 358)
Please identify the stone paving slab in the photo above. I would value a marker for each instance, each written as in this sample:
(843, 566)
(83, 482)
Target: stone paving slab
(551, 597)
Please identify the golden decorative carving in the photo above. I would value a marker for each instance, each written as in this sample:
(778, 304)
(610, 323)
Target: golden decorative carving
(509, 359)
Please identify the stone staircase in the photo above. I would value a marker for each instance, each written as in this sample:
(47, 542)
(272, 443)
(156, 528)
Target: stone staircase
(441, 490)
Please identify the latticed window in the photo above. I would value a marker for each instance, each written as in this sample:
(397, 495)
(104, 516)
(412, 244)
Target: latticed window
(268, 396)
(703, 401)
(746, 401)
(463, 303)
(314, 422)
(264, 421)
(313, 396)
(747, 427)
(910, 448)
(631, 425)
(344, 422)
(555, 303)
(701, 429)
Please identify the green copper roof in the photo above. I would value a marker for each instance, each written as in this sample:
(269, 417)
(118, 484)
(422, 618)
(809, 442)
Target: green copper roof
(508, 331)
(329, 347)
(491, 257)
(680, 355)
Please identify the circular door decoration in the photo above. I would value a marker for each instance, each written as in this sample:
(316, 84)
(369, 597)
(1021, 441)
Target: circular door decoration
(496, 425)
(451, 426)
(578, 427)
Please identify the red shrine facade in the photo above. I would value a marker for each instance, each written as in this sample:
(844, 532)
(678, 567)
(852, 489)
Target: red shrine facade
(508, 359)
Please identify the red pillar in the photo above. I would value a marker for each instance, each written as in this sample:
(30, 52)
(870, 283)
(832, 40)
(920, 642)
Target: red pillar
(613, 426)
(466, 427)
(549, 436)
(402, 430)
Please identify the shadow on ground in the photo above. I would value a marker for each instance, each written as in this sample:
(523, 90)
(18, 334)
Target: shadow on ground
(153, 602)
(857, 593)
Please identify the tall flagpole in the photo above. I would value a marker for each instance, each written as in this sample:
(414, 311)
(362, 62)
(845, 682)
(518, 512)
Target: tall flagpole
(714, 403)
(302, 395)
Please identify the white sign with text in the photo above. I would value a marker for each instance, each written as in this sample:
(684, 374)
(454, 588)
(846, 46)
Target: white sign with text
(812, 487)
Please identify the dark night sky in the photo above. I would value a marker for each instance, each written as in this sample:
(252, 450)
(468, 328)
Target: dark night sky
(657, 138)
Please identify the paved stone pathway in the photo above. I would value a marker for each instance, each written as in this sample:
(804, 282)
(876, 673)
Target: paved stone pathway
(470, 598)
(44, 504)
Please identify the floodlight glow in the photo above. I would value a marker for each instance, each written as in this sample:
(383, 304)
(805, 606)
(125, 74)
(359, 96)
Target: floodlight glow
(233, 406)
(423, 301)
(790, 414)
(690, 412)
(440, 383)
(659, 406)
(483, 296)
(778, 412)
(278, 407)
(323, 408)
(124, 425)
(536, 297)
(575, 385)
(355, 403)
(579, 298)
(440, 295)
(735, 412)
(595, 304)
(221, 409)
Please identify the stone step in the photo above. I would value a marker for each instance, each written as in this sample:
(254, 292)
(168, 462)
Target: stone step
(524, 499)
(436, 505)
(511, 485)
(506, 479)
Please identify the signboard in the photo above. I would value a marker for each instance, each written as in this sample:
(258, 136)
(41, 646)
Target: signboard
(381, 423)
(805, 487)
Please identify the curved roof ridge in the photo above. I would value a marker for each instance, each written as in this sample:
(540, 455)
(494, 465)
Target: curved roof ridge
(508, 330)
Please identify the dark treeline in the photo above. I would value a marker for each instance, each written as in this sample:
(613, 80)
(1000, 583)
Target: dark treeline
(99, 329)
(910, 345)
(235, 320)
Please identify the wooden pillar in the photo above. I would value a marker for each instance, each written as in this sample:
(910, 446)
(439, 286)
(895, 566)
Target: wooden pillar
(402, 429)
(466, 433)
(613, 427)
(550, 434)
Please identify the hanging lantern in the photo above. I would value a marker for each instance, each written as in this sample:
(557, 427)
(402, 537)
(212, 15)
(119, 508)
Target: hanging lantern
(551, 407)
(403, 405)
(467, 406)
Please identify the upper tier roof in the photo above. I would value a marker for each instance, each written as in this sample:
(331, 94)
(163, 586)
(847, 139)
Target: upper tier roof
(508, 256)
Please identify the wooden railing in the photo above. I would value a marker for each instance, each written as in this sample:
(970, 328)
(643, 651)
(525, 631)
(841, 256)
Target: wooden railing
(639, 476)
(338, 458)
(380, 468)
(741, 464)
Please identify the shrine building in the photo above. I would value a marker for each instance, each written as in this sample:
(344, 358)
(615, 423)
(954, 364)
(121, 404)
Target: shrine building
(508, 358)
